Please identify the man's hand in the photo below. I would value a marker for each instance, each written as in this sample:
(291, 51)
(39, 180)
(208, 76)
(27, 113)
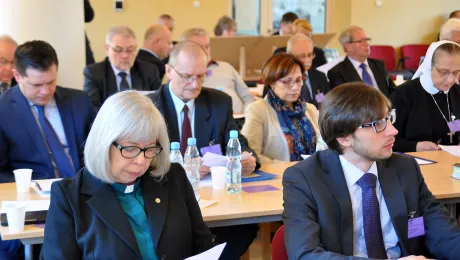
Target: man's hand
(248, 165)
(427, 146)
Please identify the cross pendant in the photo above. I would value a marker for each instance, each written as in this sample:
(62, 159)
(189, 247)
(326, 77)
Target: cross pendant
(451, 135)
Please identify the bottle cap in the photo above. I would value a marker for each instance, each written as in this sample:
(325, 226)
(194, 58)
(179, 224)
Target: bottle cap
(175, 146)
(233, 134)
(191, 141)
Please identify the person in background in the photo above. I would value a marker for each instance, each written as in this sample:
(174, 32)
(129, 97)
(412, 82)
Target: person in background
(357, 66)
(450, 31)
(129, 202)
(225, 27)
(42, 126)
(358, 199)
(286, 24)
(7, 48)
(120, 71)
(157, 45)
(220, 74)
(315, 85)
(455, 14)
(206, 114)
(428, 105)
(168, 21)
(89, 16)
(282, 126)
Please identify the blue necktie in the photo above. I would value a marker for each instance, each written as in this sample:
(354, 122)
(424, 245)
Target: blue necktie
(62, 161)
(366, 77)
(371, 218)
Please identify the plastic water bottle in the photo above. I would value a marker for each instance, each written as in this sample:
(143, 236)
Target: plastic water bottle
(234, 163)
(192, 166)
(175, 156)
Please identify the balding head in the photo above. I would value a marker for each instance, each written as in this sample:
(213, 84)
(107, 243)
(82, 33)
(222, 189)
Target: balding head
(450, 30)
(198, 35)
(7, 49)
(186, 69)
(301, 46)
(158, 39)
(166, 20)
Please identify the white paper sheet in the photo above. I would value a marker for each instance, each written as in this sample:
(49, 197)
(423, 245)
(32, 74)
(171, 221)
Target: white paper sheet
(45, 185)
(31, 205)
(305, 156)
(452, 149)
(206, 203)
(423, 162)
(212, 159)
(212, 254)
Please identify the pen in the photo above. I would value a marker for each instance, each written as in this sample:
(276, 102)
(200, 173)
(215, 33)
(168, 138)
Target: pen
(439, 141)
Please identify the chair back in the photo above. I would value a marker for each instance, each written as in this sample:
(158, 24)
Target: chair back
(278, 247)
(411, 54)
(386, 53)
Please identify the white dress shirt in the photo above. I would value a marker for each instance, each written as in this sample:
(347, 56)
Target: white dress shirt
(356, 64)
(179, 106)
(390, 239)
(118, 78)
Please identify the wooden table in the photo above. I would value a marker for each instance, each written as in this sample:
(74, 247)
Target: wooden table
(247, 208)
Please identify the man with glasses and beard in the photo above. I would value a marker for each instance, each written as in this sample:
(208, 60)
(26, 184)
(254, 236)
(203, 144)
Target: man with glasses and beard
(358, 198)
(120, 71)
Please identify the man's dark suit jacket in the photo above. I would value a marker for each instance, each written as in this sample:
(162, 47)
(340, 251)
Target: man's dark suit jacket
(86, 221)
(318, 215)
(213, 118)
(100, 81)
(146, 56)
(344, 72)
(320, 57)
(21, 142)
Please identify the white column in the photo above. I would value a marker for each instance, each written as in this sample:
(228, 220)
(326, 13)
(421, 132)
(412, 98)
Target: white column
(58, 22)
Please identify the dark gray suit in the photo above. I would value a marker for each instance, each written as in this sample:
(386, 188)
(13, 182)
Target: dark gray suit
(146, 56)
(100, 82)
(318, 214)
(86, 220)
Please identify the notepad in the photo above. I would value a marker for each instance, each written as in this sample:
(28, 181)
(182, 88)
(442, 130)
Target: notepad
(452, 149)
(212, 254)
(43, 187)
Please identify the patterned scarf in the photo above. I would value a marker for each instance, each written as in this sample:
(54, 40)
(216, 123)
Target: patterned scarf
(296, 126)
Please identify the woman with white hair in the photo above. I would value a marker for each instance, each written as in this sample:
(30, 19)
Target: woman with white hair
(428, 106)
(129, 202)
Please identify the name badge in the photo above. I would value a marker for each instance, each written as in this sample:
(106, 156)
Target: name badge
(215, 149)
(415, 227)
(319, 97)
(454, 126)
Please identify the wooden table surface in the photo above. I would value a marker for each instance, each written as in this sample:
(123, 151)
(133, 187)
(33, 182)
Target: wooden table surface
(264, 206)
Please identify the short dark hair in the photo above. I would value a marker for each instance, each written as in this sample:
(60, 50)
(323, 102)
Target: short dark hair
(279, 66)
(289, 17)
(38, 55)
(454, 13)
(347, 107)
(224, 23)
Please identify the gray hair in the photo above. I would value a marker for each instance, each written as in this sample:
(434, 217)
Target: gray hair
(7, 38)
(347, 35)
(131, 116)
(190, 47)
(452, 25)
(296, 38)
(200, 32)
(122, 30)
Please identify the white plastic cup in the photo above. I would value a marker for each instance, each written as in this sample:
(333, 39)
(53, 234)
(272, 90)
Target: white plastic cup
(16, 216)
(23, 178)
(218, 174)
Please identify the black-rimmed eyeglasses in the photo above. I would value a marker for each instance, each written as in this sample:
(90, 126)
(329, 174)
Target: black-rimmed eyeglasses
(381, 124)
(132, 151)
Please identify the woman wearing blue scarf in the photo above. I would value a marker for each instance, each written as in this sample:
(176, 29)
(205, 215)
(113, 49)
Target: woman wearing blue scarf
(282, 126)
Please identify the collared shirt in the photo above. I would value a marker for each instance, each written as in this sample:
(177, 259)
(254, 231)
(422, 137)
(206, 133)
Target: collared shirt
(151, 52)
(118, 78)
(356, 64)
(390, 239)
(179, 106)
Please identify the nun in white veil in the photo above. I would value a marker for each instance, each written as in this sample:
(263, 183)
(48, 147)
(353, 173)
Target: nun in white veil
(428, 105)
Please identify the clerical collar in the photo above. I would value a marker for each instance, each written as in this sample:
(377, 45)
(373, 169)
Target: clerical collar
(123, 188)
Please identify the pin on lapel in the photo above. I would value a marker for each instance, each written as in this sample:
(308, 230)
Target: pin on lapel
(157, 200)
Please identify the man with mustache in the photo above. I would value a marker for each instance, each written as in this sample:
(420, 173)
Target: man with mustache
(358, 199)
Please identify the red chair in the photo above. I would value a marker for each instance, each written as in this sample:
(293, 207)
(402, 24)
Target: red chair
(411, 54)
(278, 248)
(386, 53)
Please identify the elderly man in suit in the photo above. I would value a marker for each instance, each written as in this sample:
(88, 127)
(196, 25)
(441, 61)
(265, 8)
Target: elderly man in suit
(43, 126)
(157, 45)
(120, 71)
(206, 114)
(7, 49)
(359, 199)
(357, 66)
(315, 85)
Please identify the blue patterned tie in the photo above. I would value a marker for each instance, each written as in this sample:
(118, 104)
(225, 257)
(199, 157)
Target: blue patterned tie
(63, 163)
(366, 77)
(371, 218)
